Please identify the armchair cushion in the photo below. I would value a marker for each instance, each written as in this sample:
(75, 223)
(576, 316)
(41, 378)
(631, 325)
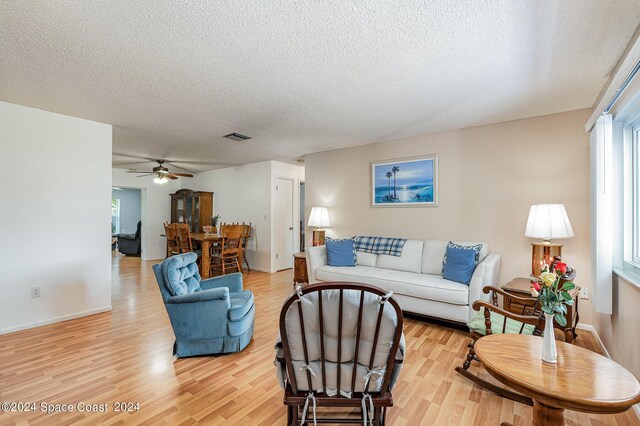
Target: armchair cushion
(202, 296)
(231, 281)
(130, 237)
(241, 303)
(497, 320)
(181, 274)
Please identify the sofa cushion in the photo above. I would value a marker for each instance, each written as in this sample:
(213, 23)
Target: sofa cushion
(341, 252)
(241, 303)
(366, 259)
(181, 274)
(497, 320)
(461, 262)
(434, 251)
(432, 256)
(424, 286)
(409, 261)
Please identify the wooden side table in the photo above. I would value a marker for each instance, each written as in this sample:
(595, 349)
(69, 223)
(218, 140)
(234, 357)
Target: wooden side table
(582, 380)
(521, 286)
(300, 269)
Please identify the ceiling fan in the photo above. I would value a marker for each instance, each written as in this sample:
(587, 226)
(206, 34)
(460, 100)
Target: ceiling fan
(162, 174)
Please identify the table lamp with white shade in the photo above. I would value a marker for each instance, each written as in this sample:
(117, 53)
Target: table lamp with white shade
(319, 218)
(548, 222)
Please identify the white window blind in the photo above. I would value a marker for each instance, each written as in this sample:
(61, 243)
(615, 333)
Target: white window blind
(602, 214)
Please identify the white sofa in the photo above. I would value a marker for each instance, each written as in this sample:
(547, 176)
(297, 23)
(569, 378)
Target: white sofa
(415, 277)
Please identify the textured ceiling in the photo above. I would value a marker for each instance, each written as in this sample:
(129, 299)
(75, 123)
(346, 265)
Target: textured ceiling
(302, 76)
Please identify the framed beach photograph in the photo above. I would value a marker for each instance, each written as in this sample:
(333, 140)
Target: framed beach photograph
(408, 182)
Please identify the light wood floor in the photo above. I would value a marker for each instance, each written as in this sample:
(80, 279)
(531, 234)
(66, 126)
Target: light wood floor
(125, 356)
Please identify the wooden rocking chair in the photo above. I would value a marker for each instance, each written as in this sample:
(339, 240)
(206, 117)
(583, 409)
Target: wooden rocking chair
(341, 345)
(495, 320)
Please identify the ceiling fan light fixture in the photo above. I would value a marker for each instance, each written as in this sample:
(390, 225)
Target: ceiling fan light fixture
(159, 179)
(237, 137)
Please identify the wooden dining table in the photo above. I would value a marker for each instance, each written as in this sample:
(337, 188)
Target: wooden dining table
(206, 240)
(581, 380)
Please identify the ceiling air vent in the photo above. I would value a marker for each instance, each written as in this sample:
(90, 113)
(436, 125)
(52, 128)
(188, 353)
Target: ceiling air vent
(236, 137)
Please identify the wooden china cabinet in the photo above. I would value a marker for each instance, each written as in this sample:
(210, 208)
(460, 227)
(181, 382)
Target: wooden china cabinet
(192, 207)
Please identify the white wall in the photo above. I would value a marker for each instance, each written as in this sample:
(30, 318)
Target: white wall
(488, 178)
(130, 208)
(156, 210)
(246, 194)
(56, 217)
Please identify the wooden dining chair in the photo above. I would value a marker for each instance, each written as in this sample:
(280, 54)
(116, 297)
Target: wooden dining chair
(230, 251)
(173, 247)
(491, 319)
(246, 234)
(185, 244)
(184, 237)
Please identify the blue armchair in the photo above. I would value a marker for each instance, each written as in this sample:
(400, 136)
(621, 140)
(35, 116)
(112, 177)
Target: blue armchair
(208, 316)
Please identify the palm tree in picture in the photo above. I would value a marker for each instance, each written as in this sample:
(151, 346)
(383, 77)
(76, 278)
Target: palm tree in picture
(395, 170)
(388, 175)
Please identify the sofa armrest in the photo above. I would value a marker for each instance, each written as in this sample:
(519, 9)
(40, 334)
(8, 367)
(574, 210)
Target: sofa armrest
(231, 281)
(316, 257)
(486, 273)
(203, 296)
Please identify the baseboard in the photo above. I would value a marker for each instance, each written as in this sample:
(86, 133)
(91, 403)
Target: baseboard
(603, 348)
(593, 331)
(56, 319)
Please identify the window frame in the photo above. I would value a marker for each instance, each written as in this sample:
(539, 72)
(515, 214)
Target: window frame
(631, 196)
(635, 193)
(115, 215)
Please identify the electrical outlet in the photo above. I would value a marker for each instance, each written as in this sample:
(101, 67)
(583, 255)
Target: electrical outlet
(35, 291)
(584, 293)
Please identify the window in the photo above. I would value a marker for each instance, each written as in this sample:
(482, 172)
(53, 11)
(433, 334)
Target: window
(115, 216)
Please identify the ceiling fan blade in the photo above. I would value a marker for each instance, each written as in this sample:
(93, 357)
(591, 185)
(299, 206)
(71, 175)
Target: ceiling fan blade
(147, 174)
(170, 176)
(137, 171)
(182, 174)
(126, 163)
(204, 163)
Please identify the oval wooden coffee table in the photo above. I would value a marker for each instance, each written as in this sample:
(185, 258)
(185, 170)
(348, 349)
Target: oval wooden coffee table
(582, 380)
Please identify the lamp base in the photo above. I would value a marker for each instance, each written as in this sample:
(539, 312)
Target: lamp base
(318, 237)
(541, 254)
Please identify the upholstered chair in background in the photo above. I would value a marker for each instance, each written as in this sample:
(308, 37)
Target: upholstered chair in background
(208, 316)
(130, 243)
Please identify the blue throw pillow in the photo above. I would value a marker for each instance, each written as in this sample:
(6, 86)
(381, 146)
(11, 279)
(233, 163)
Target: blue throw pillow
(341, 252)
(476, 248)
(460, 265)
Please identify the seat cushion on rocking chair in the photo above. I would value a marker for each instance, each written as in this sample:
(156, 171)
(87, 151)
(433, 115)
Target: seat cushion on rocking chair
(497, 320)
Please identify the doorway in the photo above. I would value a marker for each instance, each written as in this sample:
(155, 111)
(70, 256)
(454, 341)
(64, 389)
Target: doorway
(126, 214)
(284, 234)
